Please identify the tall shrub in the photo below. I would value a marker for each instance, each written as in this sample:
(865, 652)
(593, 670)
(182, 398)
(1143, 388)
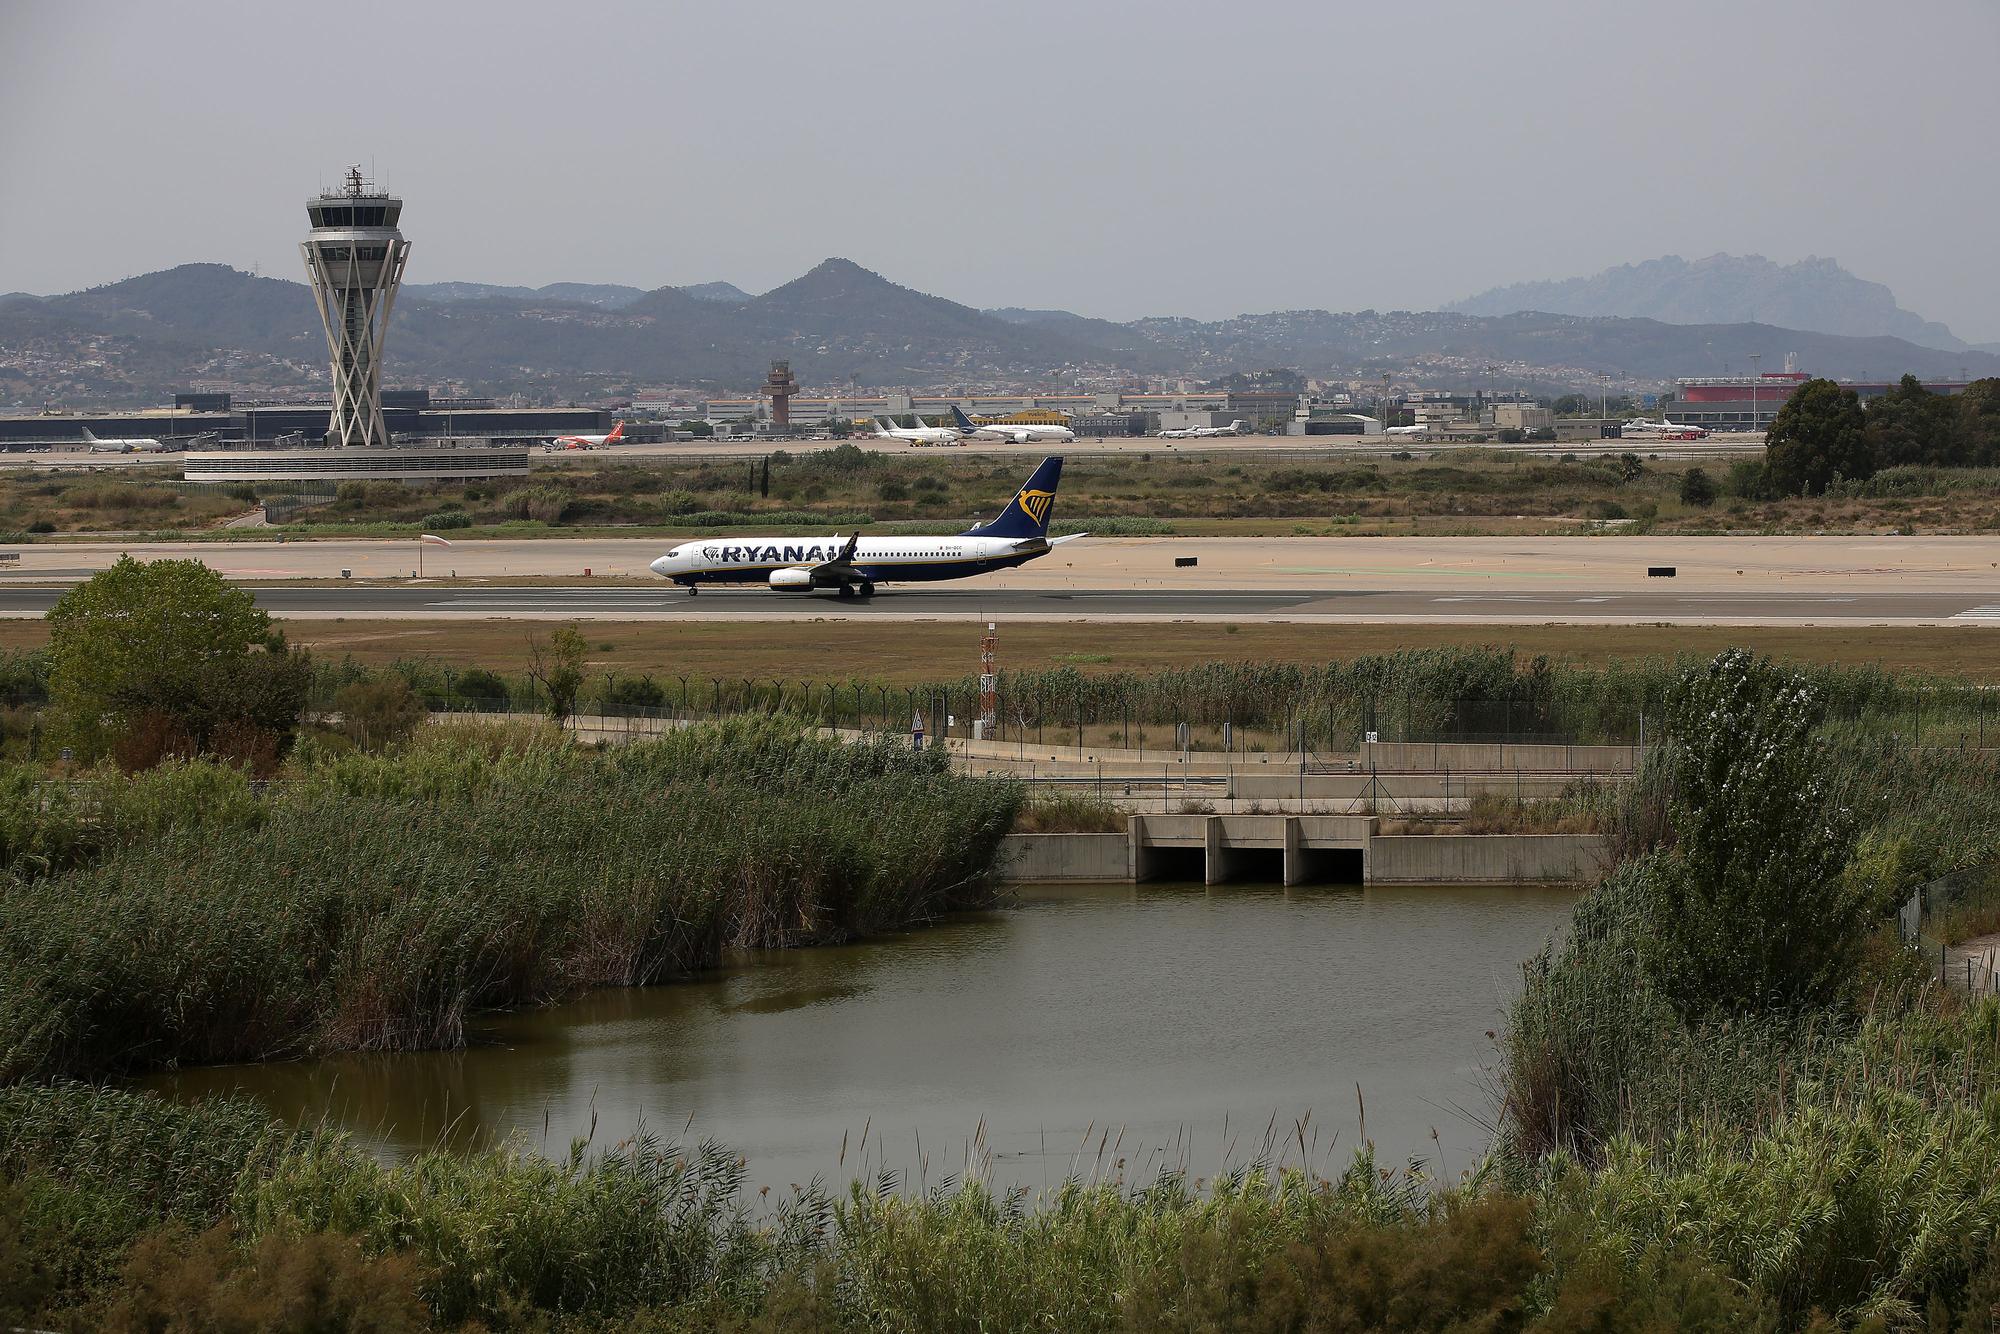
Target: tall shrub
(1749, 911)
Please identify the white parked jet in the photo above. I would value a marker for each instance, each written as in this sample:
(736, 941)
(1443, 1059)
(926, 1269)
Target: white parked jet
(916, 435)
(1407, 430)
(137, 445)
(1178, 433)
(1640, 428)
(1237, 427)
(1021, 433)
(857, 564)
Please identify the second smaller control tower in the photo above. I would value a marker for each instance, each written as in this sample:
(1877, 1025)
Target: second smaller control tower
(355, 256)
(779, 386)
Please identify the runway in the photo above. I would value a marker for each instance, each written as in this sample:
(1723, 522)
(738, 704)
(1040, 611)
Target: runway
(970, 602)
(1748, 580)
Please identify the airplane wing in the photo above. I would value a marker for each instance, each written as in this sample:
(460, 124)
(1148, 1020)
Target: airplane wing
(840, 569)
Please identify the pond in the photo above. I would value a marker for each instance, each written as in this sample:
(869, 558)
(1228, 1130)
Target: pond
(1071, 1028)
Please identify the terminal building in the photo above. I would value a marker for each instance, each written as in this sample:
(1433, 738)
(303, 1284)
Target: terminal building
(1749, 402)
(216, 421)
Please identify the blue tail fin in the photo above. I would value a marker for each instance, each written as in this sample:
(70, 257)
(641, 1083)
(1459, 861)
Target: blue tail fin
(1028, 513)
(961, 421)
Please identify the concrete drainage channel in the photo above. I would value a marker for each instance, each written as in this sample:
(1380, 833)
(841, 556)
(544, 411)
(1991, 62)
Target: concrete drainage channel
(1295, 850)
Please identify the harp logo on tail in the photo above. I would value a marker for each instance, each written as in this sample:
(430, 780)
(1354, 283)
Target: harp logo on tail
(1037, 503)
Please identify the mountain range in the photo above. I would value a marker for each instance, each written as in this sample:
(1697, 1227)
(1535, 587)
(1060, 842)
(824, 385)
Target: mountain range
(1814, 294)
(141, 339)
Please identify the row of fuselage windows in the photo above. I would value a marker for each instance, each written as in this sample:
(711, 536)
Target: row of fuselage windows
(338, 254)
(367, 215)
(786, 554)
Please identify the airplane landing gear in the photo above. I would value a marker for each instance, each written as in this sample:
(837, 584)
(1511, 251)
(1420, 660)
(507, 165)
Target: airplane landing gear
(867, 590)
(693, 589)
(847, 590)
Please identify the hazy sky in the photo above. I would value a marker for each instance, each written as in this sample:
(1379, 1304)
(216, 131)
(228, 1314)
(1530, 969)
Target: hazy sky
(1114, 159)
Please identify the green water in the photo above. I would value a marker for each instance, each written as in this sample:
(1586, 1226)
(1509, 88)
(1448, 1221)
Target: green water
(1170, 1026)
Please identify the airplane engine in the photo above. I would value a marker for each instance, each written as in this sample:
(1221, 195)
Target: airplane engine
(794, 580)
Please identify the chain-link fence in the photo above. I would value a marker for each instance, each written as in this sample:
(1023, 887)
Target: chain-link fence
(1955, 921)
(1091, 719)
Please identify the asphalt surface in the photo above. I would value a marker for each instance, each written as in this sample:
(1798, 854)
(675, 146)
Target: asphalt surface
(1872, 606)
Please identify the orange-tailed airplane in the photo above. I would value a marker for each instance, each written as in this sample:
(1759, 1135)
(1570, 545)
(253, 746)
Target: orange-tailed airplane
(591, 441)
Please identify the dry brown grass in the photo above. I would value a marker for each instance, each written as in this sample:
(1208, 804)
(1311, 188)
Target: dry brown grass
(912, 652)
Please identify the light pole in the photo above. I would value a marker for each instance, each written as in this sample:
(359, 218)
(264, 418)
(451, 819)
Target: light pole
(1755, 357)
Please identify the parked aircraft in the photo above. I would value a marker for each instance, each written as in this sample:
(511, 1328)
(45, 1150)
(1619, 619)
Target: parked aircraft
(1237, 427)
(1407, 430)
(1640, 428)
(856, 564)
(1178, 433)
(136, 445)
(916, 435)
(616, 434)
(1021, 433)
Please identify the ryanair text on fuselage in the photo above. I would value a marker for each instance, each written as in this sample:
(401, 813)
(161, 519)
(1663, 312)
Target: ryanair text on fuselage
(856, 564)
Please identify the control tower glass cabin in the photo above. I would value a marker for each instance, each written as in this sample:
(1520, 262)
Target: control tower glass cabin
(355, 256)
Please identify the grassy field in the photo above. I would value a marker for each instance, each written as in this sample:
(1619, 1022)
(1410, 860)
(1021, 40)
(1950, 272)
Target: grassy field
(843, 650)
(1168, 493)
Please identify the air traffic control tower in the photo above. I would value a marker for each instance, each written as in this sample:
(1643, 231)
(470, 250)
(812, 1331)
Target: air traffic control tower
(355, 256)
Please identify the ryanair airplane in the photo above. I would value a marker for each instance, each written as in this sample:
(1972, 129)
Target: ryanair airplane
(856, 564)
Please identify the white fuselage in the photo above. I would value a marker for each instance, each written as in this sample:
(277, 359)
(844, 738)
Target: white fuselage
(1665, 430)
(754, 560)
(102, 446)
(1025, 434)
(919, 435)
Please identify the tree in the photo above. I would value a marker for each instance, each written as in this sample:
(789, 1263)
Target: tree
(699, 429)
(480, 688)
(557, 667)
(1911, 425)
(378, 714)
(1750, 479)
(1630, 468)
(1979, 419)
(633, 693)
(167, 658)
(1749, 910)
(1819, 434)
(1698, 489)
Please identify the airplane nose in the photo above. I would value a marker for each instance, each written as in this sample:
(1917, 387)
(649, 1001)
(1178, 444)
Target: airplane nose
(663, 564)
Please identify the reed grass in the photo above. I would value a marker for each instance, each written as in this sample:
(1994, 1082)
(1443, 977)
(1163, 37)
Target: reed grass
(1069, 813)
(376, 902)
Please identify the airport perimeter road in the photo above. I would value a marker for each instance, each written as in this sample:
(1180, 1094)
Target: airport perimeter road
(431, 601)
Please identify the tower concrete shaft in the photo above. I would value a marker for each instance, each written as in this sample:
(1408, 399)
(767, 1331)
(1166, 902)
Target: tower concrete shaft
(355, 256)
